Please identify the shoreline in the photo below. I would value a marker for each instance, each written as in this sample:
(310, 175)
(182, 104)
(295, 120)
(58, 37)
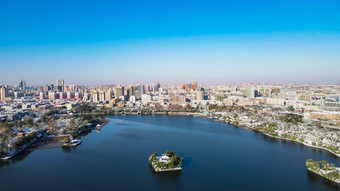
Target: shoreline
(241, 126)
(156, 169)
(310, 170)
(286, 139)
(105, 122)
(303, 143)
(22, 148)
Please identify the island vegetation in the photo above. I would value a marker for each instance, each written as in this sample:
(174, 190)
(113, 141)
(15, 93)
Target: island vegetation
(166, 162)
(327, 170)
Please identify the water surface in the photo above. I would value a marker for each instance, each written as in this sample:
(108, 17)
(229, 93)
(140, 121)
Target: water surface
(217, 156)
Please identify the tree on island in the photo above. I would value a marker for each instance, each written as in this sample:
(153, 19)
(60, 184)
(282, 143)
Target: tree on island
(174, 161)
(169, 153)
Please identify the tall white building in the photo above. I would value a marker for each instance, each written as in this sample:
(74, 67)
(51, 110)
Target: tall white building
(249, 92)
(199, 95)
(51, 95)
(101, 96)
(94, 95)
(108, 95)
(146, 99)
(60, 85)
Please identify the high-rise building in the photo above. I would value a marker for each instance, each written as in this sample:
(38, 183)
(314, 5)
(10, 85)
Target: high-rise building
(3, 92)
(157, 86)
(194, 86)
(146, 99)
(119, 91)
(61, 95)
(108, 95)
(199, 95)
(76, 95)
(101, 96)
(51, 95)
(146, 88)
(249, 92)
(22, 85)
(129, 92)
(140, 91)
(41, 95)
(94, 95)
(186, 87)
(72, 88)
(60, 85)
(46, 88)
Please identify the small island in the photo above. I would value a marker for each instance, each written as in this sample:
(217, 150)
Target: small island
(169, 161)
(327, 170)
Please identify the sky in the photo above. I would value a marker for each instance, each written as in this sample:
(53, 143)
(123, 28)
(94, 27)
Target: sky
(173, 42)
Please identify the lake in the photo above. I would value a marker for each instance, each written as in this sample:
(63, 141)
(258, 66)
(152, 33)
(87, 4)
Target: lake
(217, 156)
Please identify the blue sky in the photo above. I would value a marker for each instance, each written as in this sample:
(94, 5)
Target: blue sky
(216, 42)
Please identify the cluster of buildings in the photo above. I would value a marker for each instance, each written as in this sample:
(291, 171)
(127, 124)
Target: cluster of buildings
(319, 101)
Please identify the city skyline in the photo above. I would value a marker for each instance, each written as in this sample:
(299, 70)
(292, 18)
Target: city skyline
(215, 43)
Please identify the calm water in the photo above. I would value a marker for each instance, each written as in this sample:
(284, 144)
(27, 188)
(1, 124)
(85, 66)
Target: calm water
(216, 156)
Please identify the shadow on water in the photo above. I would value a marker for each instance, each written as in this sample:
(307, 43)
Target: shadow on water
(330, 185)
(123, 124)
(171, 175)
(315, 179)
(68, 149)
(312, 177)
(19, 157)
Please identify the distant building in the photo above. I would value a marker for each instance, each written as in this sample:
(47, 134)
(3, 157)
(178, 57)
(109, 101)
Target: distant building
(146, 99)
(194, 86)
(94, 95)
(61, 95)
(108, 95)
(119, 91)
(101, 96)
(76, 95)
(22, 85)
(140, 91)
(275, 90)
(41, 95)
(3, 92)
(60, 85)
(199, 95)
(51, 95)
(178, 98)
(249, 92)
(48, 87)
(186, 87)
(133, 99)
(129, 92)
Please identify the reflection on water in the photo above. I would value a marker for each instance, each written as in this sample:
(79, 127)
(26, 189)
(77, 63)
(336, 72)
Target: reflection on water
(315, 179)
(123, 124)
(19, 157)
(68, 149)
(216, 157)
(312, 176)
(330, 185)
(170, 175)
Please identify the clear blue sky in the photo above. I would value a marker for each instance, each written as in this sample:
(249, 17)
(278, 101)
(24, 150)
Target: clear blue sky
(217, 42)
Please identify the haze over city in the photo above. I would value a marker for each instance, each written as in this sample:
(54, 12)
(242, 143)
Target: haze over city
(215, 42)
(169, 95)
